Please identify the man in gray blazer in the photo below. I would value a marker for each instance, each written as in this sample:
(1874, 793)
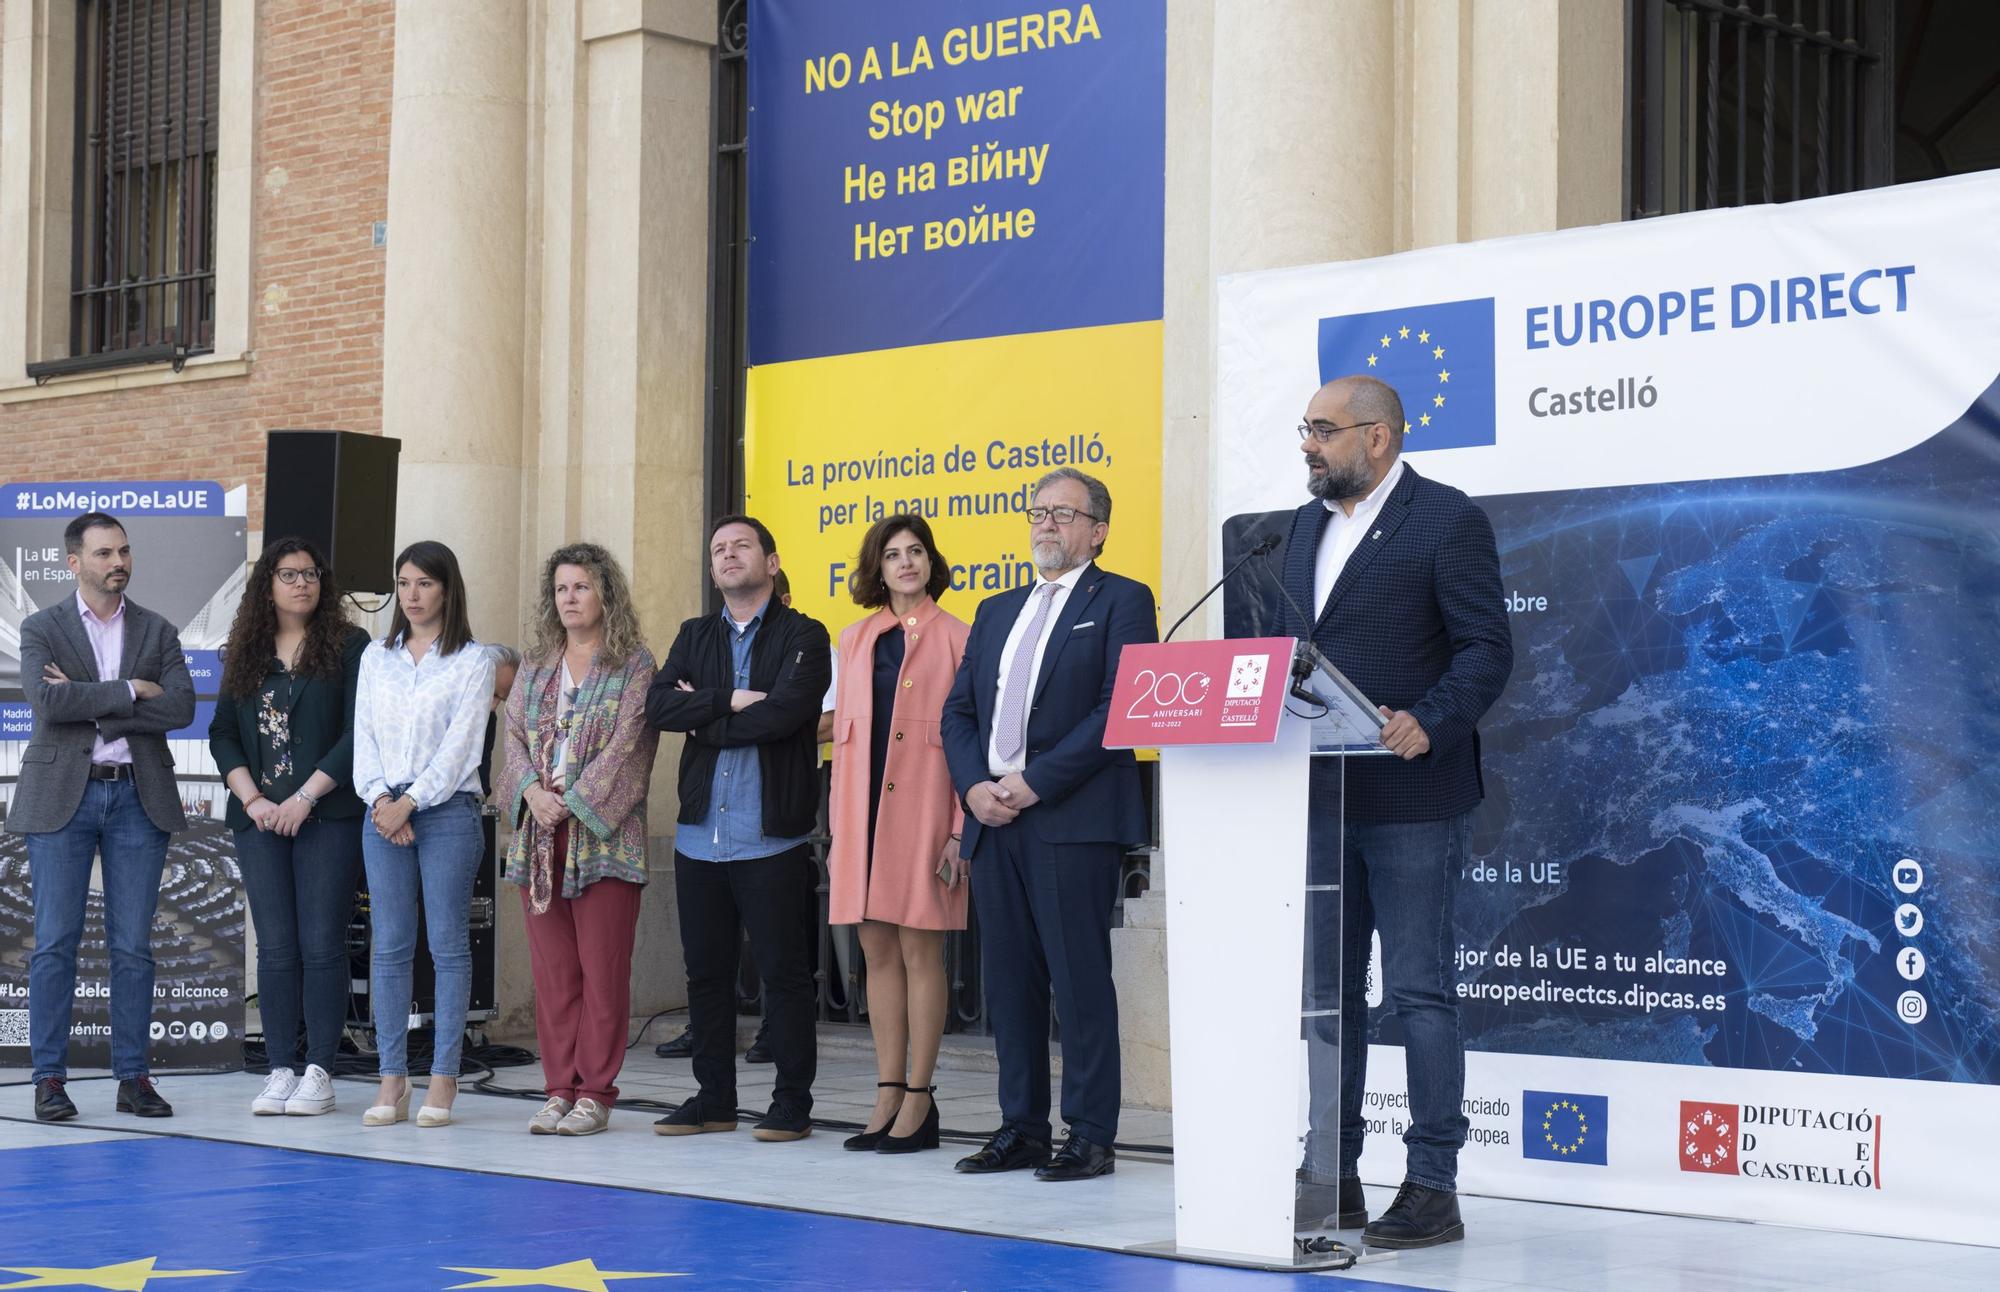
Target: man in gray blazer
(107, 680)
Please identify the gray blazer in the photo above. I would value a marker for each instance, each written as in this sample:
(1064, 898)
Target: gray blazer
(69, 716)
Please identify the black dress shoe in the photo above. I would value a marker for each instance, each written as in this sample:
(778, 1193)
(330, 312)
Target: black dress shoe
(138, 1097)
(1327, 1206)
(51, 1104)
(1009, 1150)
(758, 1051)
(681, 1047)
(1419, 1217)
(1079, 1159)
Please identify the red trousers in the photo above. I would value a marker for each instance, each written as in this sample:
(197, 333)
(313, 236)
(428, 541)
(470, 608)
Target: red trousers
(581, 953)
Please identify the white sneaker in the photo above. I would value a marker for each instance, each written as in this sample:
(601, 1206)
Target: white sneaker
(314, 1094)
(546, 1121)
(588, 1118)
(278, 1087)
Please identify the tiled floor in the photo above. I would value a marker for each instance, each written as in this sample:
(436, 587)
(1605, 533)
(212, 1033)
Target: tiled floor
(1509, 1244)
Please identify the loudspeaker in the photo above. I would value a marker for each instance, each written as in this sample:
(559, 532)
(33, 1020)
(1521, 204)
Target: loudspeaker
(337, 490)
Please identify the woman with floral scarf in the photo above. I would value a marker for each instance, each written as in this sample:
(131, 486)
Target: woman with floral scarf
(579, 756)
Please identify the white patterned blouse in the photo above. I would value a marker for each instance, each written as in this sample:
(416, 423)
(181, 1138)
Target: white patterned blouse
(419, 722)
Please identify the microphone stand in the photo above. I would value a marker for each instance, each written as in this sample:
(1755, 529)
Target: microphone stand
(1263, 547)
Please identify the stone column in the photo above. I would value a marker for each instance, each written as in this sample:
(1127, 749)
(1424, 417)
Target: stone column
(617, 327)
(1279, 129)
(454, 357)
(455, 362)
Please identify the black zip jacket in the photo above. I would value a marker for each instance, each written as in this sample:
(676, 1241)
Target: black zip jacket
(791, 663)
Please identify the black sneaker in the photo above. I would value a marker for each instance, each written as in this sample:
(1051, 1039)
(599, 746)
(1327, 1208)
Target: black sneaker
(781, 1124)
(758, 1052)
(688, 1119)
(1419, 1217)
(681, 1047)
(51, 1103)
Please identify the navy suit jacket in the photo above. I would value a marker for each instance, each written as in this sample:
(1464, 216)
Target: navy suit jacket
(1416, 620)
(1089, 794)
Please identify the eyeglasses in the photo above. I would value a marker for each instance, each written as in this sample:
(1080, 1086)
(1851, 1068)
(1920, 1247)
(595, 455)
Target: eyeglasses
(291, 577)
(1062, 515)
(1322, 432)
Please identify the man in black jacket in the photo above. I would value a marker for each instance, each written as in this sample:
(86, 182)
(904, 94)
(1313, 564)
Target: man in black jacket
(745, 687)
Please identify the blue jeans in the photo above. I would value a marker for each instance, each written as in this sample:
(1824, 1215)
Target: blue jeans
(1400, 878)
(110, 820)
(438, 871)
(301, 892)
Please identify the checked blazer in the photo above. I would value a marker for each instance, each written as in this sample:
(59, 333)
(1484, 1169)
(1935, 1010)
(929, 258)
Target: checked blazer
(1416, 621)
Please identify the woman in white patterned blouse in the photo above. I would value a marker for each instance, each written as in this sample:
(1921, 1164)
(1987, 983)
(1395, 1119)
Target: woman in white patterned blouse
(420, 710)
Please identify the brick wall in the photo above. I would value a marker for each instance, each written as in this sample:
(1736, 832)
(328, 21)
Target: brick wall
(321, 180)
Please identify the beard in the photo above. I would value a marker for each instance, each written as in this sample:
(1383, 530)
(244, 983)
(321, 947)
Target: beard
(1337, 483)
(1051, 557)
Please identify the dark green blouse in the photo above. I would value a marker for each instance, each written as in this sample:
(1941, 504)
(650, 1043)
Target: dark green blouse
(292, 727)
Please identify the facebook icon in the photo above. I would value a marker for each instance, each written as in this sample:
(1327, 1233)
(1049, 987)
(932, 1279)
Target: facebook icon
(1910, 964)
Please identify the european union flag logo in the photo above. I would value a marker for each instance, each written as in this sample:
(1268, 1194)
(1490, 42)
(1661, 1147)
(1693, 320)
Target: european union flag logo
(1438, 357)
(1559, 1127)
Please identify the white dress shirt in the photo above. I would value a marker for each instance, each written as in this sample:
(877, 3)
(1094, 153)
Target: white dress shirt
(1343, 536)
(107, 645)
(420, 722)
(1064, 584)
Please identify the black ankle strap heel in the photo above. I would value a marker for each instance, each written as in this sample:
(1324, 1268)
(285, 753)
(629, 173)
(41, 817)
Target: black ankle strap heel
(866, 1141)
(927, 1134)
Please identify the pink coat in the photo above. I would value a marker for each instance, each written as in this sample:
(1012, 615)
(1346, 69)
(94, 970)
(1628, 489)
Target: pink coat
(919, 811)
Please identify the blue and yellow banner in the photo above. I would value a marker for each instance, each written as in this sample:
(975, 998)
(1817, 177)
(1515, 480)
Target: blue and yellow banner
(956, 216)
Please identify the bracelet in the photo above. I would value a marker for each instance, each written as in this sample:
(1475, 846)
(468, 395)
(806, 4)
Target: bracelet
(252, 800)
(311, 802)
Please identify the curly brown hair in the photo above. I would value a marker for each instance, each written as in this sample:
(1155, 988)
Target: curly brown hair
(622, 634)
(246, 656)
(866, 584)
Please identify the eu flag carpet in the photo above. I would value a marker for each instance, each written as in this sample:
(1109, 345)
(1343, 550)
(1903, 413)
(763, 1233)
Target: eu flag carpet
(148, 1213)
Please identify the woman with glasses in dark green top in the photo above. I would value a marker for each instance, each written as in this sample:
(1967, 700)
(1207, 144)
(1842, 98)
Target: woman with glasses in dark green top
(283, 738)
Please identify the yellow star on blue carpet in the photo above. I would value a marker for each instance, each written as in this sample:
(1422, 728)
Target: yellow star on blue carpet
(127, 1276)
(575, 1276)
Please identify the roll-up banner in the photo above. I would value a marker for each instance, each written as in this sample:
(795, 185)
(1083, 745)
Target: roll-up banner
(1729, 942)
(187, 541)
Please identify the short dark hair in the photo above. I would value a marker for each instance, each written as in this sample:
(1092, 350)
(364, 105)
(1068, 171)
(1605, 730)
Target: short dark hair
(73, 532)
(769, 544)
(781, 586)
(438, 561)
(867, 586)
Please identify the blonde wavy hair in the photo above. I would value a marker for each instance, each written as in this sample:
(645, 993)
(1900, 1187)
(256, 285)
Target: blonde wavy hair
(622, 634)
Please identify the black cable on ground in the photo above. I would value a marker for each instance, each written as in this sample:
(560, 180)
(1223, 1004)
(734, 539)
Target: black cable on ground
(480, 1066)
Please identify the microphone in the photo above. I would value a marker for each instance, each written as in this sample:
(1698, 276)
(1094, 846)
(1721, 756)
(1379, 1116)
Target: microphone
(1307, 657)
(1264, 547)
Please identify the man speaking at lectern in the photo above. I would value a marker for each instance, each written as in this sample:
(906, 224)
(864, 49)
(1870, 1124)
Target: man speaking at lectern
(1403, 576)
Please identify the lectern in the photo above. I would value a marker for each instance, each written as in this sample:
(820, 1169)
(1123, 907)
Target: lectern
(1253, 927)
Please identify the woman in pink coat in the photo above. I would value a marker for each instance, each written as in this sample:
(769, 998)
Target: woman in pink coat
(894, 867)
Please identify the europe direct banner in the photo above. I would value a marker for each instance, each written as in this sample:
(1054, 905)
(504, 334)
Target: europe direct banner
(1726, 944)
(956, 216)
(187, 541)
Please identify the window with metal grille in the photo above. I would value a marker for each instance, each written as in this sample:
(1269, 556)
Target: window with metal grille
(143, 239)
(1759, 101)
